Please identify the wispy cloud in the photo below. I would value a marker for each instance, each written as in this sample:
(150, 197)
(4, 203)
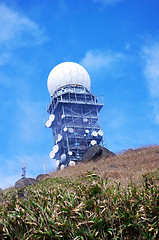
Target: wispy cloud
(108, 2)
(150, 56)
(17, 29)
(97, 59)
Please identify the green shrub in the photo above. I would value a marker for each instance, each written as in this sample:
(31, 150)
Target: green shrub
(81, 208)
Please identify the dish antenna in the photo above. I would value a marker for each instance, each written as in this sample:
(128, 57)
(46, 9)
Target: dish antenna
(62, 116)
(72, 163)
(62, 167)
(71, 130)
(93, 142)
(56, 148)
(94, 134)
(63, 157)
(59, 137)
(48, 123)
(52, 117)
(52, 154)
(65, 129)
(85, 120)
(101, 133)
(87, 131)
(57, 163)
(70, 153)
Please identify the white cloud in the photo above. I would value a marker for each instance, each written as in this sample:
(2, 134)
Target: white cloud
(18, 30)
(107, 2)
(150, 55)
(96, 60)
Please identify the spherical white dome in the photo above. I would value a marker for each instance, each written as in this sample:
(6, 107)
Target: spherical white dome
(67, 73)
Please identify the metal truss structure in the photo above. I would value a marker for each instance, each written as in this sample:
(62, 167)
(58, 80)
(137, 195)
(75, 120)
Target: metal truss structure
(75, 122)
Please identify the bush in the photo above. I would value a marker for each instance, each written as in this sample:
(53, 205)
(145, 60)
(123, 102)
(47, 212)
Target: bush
(81, 208)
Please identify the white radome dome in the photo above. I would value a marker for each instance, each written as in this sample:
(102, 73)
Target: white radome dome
(67, 73)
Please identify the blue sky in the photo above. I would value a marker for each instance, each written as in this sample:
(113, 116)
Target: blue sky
(117, 41)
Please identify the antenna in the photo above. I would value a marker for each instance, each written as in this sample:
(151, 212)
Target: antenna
(65, 129)
(94, 133)
(100, 132)
(63, 157)
(48, 123)
(24, 171)
(52, 117)
(87, 131)
(52, 154)
(71, 130)
(93, 142)
(59, 137)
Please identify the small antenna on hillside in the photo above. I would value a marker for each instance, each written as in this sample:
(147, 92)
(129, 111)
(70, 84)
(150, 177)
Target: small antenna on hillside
(24, 171)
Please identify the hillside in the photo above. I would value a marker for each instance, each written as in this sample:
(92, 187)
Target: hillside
(126, 166)
(112, 198)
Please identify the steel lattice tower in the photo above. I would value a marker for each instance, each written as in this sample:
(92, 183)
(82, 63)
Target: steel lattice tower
(74, 120)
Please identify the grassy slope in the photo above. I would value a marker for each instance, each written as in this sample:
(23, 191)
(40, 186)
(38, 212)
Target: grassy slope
(127, 166)
(80, 203)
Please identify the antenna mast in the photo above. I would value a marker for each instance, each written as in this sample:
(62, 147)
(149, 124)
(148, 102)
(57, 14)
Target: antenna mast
(24, 171)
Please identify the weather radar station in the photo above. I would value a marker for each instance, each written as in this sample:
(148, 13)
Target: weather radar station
(73, 114)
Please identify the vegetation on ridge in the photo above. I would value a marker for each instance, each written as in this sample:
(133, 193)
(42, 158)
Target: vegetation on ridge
(82, 207)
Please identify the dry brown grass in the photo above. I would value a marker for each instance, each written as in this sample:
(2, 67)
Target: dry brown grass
(125, 167)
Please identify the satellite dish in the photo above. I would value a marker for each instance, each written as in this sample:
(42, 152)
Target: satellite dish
(63, 157)
(77, 155)
(59, 137)
(93, 142)
(70, 153)
(94, 134)
(62, 116)
(57, 163)
(87, 131)
(52, 154)
(65, 129)
(52, 117)
(56, 148)
(100, 132)
(72, 163)
(85, 120)
(48, 123)
(62, 167)
(71, 130)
